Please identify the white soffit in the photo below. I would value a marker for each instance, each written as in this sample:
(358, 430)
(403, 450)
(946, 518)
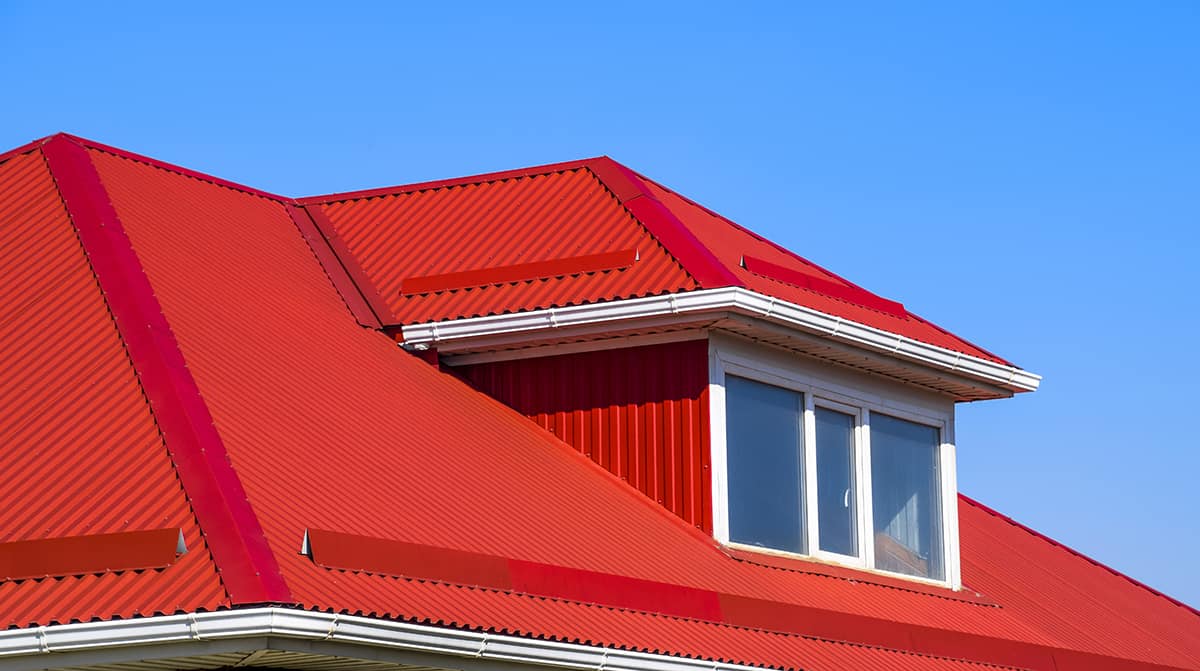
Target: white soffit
(497, 331)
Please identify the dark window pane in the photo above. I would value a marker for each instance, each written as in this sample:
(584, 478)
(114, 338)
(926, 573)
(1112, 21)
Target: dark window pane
(905, 495)
(763, 463)
(837, 526)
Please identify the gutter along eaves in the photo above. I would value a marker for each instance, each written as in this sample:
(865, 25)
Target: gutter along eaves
(732, 299)
(247, 566)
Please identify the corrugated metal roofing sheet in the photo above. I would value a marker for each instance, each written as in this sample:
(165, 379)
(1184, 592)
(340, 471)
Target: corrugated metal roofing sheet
(80, 453)
(476, 226)
(330, 426)
(555, 212)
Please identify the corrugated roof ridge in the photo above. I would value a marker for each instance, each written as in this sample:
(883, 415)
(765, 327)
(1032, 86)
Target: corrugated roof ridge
(663, 224)
(995, 513)
(623, 609)
(171, 167)
(804, 260)
(468, 180)
(245, 563)
(25, 148)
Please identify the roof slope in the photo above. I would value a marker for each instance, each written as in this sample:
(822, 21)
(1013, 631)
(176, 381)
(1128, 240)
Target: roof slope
(479, 227)
(329, 426)
(80, 451)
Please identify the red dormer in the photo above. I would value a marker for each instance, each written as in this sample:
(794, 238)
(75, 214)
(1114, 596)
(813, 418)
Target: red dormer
(754, 394)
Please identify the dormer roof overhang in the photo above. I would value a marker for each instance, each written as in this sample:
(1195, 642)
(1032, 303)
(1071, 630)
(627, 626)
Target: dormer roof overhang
(734, 309)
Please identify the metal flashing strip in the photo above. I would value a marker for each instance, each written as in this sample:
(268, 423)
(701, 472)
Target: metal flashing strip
(235, 538)
(521, 272)
(848, 293)
(686, 305)
(93, 553)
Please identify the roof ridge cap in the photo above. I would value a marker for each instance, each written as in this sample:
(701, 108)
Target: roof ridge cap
(466, 180)
(169, 167)
(1034, 532)
(248, 568)
(663, 224)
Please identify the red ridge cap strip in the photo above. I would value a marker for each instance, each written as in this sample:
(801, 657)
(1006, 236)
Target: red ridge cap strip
(82, 555)
(248, 568)
(520, 272)
(657, 218)
(334, 268)
(347, 259)
(350, 552)
(444, 183)
(830, 288)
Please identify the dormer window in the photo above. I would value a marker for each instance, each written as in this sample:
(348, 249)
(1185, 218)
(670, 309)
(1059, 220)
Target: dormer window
(831, 464)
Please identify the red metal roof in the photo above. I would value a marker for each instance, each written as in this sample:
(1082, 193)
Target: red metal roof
(328, 425)
(480, 226)
(80, 451)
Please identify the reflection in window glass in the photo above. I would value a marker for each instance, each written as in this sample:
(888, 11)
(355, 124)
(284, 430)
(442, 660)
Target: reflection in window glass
(763, 465)
(904, 488)
(836, 514)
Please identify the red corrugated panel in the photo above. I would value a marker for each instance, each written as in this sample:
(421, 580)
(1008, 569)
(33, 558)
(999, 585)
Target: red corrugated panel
(1081, 603)
(731, 243)
(331, 426)
(641, 413)
(80, 452)
(470, 227)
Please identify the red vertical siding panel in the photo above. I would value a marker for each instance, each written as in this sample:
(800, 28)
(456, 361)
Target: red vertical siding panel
(639, 412)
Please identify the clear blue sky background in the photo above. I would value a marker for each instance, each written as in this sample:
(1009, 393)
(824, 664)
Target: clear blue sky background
(1022, 174)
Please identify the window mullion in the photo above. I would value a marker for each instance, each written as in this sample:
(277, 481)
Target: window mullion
(866, 522)
(809, 454)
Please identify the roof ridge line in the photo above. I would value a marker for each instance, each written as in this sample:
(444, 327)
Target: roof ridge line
(244, 560)
(663, 224)
(170, 167)
(467, 180)
(819, 267)
(995, 513)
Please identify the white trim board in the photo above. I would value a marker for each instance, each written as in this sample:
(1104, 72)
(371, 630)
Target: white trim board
(475, 333)
(200, 634)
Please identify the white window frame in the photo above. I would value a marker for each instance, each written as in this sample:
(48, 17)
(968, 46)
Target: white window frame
(844, 390)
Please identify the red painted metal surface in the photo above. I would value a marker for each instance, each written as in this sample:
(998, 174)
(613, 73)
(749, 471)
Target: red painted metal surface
(335, 269)
(641, 413)
(96, 553)
(329, 426)
(532, 217)
(821, 285)
(80, 453)
(521, 272)
(248, 569)
(730, 243)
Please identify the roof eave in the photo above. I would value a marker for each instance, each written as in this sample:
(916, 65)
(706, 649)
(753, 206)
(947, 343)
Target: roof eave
(981, 378)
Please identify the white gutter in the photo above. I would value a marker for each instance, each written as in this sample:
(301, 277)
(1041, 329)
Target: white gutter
(730, 299)
(53, 643)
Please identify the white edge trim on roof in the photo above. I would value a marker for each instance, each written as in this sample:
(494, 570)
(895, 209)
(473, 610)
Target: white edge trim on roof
(255, 623)
(733, 299)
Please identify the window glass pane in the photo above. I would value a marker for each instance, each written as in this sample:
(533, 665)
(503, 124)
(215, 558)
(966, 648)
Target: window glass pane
(837, 517)
(763, 464)
(905, 495)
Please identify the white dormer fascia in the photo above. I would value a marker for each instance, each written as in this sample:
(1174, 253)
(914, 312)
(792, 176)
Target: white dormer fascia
(986, 379)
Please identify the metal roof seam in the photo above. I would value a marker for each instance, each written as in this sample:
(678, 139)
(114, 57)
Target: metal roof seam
(993, 512)
(230, 527)
(334, 265)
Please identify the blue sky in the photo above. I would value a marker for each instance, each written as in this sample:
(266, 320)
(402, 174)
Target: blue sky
(1024, 174)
